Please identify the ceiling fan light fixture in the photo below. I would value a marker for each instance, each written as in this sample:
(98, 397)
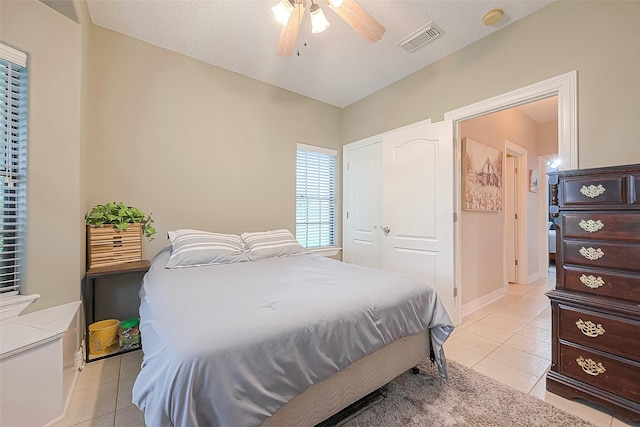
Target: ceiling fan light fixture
(283, 11)
(336, 3)
(319, 22)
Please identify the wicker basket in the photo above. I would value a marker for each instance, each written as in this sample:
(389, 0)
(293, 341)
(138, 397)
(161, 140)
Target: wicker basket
(106, 245)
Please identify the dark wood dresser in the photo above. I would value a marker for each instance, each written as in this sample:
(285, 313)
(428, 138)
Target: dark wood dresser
(596, 303)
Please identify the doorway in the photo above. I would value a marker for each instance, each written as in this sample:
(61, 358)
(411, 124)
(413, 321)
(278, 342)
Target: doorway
(565, 88)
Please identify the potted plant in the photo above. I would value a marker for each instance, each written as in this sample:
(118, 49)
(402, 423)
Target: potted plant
(120, 216)
(114, 234)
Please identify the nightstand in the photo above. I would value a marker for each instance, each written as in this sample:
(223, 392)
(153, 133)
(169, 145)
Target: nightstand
(88, 296)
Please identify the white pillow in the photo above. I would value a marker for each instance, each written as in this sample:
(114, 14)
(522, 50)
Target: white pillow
(193, 248)
(271, 244)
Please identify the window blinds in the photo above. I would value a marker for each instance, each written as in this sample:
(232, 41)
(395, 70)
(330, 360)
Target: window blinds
(315, 196)
(13, 164)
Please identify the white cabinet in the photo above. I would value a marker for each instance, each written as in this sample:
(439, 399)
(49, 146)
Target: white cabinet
(37, 365)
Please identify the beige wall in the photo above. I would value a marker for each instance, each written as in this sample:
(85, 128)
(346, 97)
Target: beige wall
(54, 250)
(112, 118)
(196, 145)
(557, 39)
(482, 233)
(548, 139)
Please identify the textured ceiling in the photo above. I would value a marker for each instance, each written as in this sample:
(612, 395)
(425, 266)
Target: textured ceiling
(338, 66)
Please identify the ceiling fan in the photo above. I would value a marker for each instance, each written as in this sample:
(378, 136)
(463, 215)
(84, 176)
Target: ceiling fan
(291, 12)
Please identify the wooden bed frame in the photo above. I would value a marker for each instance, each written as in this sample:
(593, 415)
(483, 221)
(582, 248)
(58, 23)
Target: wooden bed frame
(323, 400)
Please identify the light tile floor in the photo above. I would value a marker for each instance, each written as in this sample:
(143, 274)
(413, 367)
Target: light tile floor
(102, 396)
(509, 340)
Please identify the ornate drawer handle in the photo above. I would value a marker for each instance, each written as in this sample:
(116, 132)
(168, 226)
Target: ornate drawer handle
(591, 226)
(592, 191)
(590, 367)
(591, 254)
(589, 328)
(591, 281)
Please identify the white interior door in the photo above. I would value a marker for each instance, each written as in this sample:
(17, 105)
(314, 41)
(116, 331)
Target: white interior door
(362, 177)
(510, 232)
(418, 206)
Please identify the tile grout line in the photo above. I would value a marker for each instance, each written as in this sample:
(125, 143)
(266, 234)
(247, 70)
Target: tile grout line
(528, 323)
(115, 408)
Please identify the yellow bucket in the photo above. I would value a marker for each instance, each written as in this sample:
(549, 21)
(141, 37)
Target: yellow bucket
(103, 336)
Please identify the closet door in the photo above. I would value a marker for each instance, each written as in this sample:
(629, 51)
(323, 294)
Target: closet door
(418, 206)
(362, 174)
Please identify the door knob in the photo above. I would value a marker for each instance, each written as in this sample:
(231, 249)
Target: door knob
(386, 230)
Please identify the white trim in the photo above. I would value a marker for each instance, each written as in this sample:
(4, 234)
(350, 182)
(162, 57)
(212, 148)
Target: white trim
(315, 149)
(565, 86)
(328, 251)
(12, 55)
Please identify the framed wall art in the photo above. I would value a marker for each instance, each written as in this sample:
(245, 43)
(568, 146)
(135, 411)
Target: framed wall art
(482, 170)
(533, 181)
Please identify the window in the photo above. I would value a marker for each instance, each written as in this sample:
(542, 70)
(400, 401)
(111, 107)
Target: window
(315, 196)
(13, 165)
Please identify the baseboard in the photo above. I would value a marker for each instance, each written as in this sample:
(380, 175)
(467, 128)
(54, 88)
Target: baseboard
(483, 301)
(78, 364)
(533, 277)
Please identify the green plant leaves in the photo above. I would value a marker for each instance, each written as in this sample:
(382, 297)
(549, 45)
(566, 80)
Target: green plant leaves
(120, 216)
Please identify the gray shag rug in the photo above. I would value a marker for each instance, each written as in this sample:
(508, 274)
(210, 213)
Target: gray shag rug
(467, 399)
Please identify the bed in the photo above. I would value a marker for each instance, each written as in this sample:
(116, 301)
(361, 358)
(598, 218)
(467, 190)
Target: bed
(270, 334)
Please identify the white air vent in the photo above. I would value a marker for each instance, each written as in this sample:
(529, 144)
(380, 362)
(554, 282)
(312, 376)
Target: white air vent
(421, 37)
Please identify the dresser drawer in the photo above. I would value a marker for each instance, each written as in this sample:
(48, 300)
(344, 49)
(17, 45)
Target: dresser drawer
(598, 190)
(611, 334)
(602, 282)
(597, 253)
(602, 225)
(608, 372)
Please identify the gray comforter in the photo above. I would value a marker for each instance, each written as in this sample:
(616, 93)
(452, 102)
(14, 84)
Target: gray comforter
(228, 345)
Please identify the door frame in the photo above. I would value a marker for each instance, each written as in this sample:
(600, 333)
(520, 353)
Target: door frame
(565, 87)
(520, 158)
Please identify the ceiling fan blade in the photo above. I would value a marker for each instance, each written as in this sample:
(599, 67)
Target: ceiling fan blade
(289, 32)
(360, 20)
